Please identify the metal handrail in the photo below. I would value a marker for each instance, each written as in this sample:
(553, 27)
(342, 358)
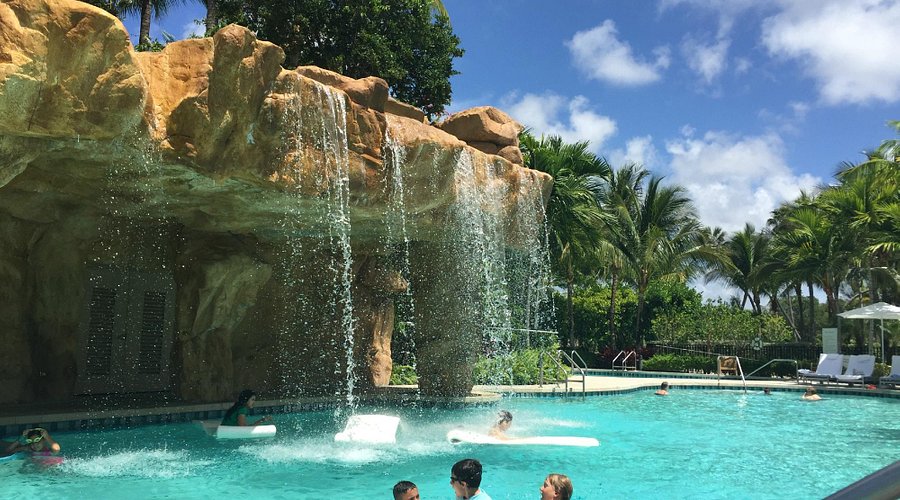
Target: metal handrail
(583, 362)
(740, 370)
(580, 369)
(625, 360)
(796, 367)
(541, 369)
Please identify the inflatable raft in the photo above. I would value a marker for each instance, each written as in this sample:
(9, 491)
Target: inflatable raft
(457, 436)
(213, 428)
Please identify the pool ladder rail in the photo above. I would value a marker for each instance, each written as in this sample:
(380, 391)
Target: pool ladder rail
(620, 362)
(731, 364)
(573, 365)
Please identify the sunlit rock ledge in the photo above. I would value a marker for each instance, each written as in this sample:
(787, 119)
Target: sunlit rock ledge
(199, 165)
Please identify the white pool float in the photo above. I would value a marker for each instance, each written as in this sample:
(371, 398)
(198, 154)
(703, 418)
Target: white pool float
(457, 436)
(372, 429)
(213, 428)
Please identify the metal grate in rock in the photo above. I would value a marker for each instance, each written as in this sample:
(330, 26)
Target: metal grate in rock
(152, 331)
(100, 330)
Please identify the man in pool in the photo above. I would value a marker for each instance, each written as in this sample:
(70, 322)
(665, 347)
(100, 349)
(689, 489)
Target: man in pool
(406, 490)
(663, 389)
(465, 479)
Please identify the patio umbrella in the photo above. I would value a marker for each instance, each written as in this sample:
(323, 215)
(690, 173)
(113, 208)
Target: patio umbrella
(881, 310)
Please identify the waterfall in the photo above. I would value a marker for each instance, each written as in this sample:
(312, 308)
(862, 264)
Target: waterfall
(396, 241)
(481, 242)
(324, 119)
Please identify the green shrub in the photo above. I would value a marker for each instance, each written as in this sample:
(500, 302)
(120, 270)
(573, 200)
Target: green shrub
(680, 363)
(403, 375)
(516, 368)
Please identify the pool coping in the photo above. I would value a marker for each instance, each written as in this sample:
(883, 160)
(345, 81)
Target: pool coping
(595, 386)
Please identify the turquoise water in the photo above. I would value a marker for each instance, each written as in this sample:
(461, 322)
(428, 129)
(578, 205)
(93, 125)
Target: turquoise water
(692, 444)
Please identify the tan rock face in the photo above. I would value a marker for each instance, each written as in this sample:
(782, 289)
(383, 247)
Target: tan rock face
(49, 90)
(251, 169)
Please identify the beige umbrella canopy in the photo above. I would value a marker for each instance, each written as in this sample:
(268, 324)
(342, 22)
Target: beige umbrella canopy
(880, 310)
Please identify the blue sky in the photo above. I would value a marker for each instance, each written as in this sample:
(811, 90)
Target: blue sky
(743, 102)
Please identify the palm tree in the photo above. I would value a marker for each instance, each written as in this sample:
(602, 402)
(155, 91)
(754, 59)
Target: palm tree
(573, 216)
(746, 254)
(656, 230)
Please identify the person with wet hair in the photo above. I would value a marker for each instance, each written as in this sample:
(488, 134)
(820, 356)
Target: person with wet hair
(556, 487)
(237, 414)
(811, 395)
(663, 389)
(465, 479)
(501, 425)
(36, 441)
(406, 490)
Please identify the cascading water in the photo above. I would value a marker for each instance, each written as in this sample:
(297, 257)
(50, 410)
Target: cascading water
(324, 120)
(396, 243)
(481, 244)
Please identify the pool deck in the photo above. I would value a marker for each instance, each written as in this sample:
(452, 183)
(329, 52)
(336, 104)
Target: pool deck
(155, 409)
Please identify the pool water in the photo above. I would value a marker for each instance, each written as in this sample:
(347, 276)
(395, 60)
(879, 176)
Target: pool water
(692, 444)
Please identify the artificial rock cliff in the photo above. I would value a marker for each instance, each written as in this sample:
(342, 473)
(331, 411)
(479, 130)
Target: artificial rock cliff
(173, 221)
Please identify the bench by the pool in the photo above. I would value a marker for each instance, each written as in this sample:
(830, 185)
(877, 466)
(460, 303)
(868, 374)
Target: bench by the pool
(894, 377)
(829, 367)
(859, 368)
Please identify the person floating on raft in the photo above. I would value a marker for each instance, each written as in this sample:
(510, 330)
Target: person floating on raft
(237, 414)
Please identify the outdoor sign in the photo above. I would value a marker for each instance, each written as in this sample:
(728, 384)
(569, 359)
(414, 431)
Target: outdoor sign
(830, 342)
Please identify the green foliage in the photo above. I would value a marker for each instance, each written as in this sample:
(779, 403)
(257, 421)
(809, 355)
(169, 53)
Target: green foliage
(406, 42)
(403, 375)
(718, 322)
(516, 368)
(680, 363)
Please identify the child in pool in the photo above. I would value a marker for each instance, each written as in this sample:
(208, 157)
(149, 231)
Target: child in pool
(237, 414)
(35, 442)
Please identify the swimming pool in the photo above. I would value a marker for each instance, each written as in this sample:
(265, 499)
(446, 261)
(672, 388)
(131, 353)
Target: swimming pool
(692, 444)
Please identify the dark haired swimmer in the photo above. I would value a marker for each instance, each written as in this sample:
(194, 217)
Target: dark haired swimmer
(663, 389)
(237, 414)
(503, 423)
(35, 441)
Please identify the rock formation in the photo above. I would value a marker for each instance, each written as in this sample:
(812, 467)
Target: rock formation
(202, 220)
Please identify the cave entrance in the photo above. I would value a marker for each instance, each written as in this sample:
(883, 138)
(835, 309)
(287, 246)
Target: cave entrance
(125, 334)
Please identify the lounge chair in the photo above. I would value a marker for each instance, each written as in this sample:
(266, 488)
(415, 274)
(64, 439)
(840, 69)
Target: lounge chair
(894, 377)
(829, 367)
(859, 368)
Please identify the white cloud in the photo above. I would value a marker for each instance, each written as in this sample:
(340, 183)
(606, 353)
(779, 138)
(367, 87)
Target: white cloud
(639, 150)
(708, 61)
(572, 119)
(734, 180)
(602, 56)
(849, 48)
(192, 29)
(742, 65)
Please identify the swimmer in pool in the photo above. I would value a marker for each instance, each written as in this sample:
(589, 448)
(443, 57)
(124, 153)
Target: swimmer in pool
(504, 421)
(35, 441)
(663, 389)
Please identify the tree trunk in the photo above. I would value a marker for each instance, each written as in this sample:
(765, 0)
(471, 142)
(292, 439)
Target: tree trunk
(801, 324)
(146, 11)
(642, 290)
(570, 285)
(612, 310)
(812, 312)
(212, 16)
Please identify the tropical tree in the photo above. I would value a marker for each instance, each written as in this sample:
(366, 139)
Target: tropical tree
(746, 253)
(656, 229)
(409, 43)
(146, 9)
(573, 216)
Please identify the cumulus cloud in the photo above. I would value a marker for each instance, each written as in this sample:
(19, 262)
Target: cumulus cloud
(849, 48)
(572, 119)
(602, 56)
(735, 179)
(639, 150)
(707, 60)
